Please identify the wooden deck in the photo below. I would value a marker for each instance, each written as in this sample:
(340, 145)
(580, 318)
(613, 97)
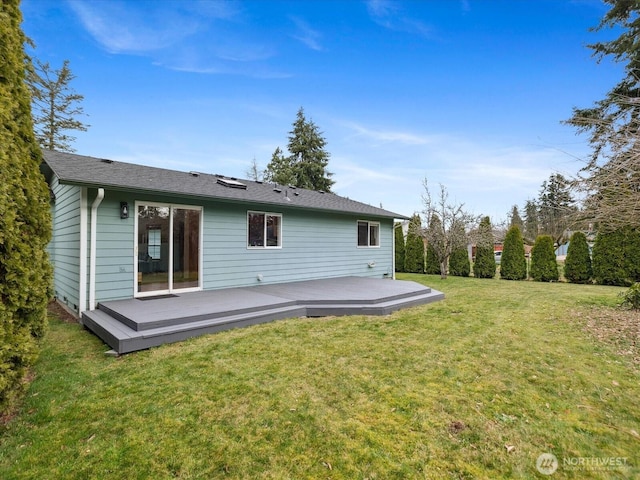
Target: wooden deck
(136, 324)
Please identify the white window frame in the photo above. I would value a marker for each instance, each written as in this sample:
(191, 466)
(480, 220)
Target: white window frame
(369, 225)
(171, 206)
(265, 246)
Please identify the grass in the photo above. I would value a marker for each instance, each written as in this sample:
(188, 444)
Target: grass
(476, 386)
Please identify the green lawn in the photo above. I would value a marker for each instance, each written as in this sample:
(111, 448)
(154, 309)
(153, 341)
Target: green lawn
(476, 386)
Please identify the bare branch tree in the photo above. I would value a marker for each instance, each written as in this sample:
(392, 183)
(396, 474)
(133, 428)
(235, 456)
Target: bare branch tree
(447, 225)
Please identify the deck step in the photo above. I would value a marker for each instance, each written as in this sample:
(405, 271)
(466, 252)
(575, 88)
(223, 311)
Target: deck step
(377, 308)
(124, 339)
(143, 315)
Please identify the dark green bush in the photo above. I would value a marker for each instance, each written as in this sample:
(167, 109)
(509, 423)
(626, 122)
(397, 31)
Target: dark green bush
(432, 266)
(414, 247)
(399, 247)
(631, 297)
(485, 262)
(544, 267)
(577, 265)
(513, 264)
(25, 222)
(459, 265)
(616, 257)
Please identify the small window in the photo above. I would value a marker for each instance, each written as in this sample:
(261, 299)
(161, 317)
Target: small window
(264, 230)
(155, 243)
(368, 234)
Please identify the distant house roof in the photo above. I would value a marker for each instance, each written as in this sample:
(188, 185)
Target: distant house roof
(71, 169)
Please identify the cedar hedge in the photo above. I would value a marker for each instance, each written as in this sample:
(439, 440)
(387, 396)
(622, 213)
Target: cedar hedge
(25, 222)
(544, 267)
(577, 265)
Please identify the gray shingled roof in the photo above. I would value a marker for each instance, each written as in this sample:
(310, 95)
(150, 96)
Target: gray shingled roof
(93, 172)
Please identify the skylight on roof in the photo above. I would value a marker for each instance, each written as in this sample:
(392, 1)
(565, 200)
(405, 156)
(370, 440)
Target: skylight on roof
(227, 182)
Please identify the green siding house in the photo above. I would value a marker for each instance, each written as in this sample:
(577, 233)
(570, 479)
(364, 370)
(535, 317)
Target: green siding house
(123, 231)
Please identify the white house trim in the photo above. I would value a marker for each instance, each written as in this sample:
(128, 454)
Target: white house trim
(82, 291)
(94, 234)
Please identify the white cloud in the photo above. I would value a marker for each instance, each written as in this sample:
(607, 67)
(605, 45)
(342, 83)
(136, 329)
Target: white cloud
(125, 28)
(387, 165)
(388, 136)
(306, 34)
(194, 36)
(389, 14)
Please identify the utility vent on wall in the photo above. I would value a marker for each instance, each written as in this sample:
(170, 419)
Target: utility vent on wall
(227, 182)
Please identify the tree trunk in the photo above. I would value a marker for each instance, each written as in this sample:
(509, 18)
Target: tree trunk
(443, 270)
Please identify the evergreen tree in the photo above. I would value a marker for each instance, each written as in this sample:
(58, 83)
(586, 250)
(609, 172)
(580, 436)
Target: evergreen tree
(399, 247)
(55, 105)
(607, 120)
(414, 247)
(544, 267)
(616, 257)
(432, 266)
(556, 206)
(280, 169)
(516, 219)
(577, 265)
(611, 179)
(531, 222)
(25, 222)
(632, 254)
(608, 259)
(306, 165)
(459, 265)
(513, 265)
(485, 263)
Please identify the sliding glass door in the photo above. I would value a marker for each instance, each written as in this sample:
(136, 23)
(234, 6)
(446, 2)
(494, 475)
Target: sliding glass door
(168, 244)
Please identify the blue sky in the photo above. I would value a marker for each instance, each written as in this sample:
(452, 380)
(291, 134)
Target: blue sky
(467, 93)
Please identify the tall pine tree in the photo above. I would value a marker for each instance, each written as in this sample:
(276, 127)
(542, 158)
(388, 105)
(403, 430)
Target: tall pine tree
(306, 165)
(25, 222)
(56, 106)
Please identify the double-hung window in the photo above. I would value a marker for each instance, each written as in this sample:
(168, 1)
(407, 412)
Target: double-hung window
(368, 234)
(264, 230)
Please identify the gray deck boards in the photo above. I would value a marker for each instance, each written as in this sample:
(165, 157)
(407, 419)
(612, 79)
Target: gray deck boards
(134, 324)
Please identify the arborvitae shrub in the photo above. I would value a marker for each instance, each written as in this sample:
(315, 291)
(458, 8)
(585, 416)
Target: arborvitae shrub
(432, 266)
(513, 264)
(616, 257)
(414, 248)
(577, 265)
(459, 265)
(608, 259)
(485, 263)
(399, 246)
(544, 267)
(632, 254)
(25, 222)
